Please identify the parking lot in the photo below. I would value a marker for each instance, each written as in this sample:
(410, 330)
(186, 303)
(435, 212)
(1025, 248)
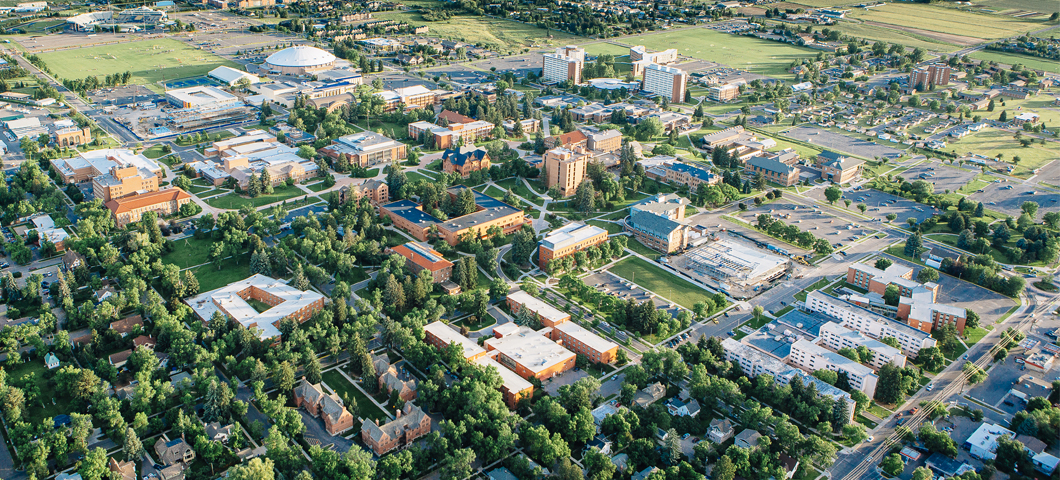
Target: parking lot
(1007, 197)
(808, 218)
(1050, 173)
(944, 178)
(880, 204)
(843, 143)
(520, 65)
(623, 289)
(460, 73)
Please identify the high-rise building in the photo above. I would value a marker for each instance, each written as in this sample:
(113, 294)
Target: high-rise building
(667, 82)
(923, 78)
(565, 64)
(566, 169)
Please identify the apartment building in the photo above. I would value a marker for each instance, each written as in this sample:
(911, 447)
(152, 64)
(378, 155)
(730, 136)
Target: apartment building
(723, 93)
(88, 165)
(604, 142)
(565, 169)
(131, 208)
(366, 149)
(548, 315)
(377, 191)
(669, 205)
(639, 53)
(441, 336)
(564, 65)
(420, 257)
(774, 170)
(836, 337)
(811, 357)
(452, 135)
(529, 353)
(414, 97)
(667, 82)
(935, 74)
(568, 240)
(838, 168)
(122, 182)
(869, 323)
(752, 361)
(657, 232)
(581, 341)
(232, 300)
(410, 217)
(465, 159)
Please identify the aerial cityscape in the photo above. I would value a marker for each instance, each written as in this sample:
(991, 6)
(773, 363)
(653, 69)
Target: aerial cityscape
(570, 239)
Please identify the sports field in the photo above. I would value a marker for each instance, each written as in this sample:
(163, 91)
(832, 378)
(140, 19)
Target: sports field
(947, 21)
(755, 55)
(1006, 6)
(1011, 58)
(501, 35)
(601, 48)
(992, 142)
(878, 33)
(149, 61)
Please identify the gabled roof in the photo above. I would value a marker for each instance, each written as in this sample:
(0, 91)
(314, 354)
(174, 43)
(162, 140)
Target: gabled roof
(461, 155)
(127, 324)
(771, 165)
(454, 117)
(127, 204)
(573, 137)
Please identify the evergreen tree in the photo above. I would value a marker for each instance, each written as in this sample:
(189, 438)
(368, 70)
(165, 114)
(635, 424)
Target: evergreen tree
(134, 448)
(914, 245)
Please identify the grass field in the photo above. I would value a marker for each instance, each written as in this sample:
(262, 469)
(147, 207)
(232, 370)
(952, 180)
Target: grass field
(496, 34)
(519, 188)
(992, 142)
(1011, 58)
(600, 48)
(413, 176)
(148, 61)
(661, 282)
(948, 21)
(188, 252)
(755, 55)
(37, 412)
(232, 270)
(1044, 6)
(878, 33)
(233, 201)
(365, 407)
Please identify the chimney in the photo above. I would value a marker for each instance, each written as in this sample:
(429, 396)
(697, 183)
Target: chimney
(377, 422)
(399, 413)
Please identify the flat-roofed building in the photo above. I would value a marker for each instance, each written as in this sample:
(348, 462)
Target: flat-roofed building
(568, 240)
(683, 174)
(284, 301)
(752, 361)
(409, 216)
(724, 138)
(723, 93)
(421, 257)
(366, 149)
(513, 387)
(917, 303)
(122, 182)
(230, 76)
(414, 97)
(441, 336)
(581, 341)
(548, 315)
(869, 323)
(530, 354)
(130, 209)
(734, 267)
(657, 232)
(88, 165)
(837, 337)
(667, 82)
(774, 170)
(203, 107)
(668, 205)
(66, 133)
(565, 169)
(605, 141)
(639, 53)
(563, 65)
(811, 357)
(452, 135)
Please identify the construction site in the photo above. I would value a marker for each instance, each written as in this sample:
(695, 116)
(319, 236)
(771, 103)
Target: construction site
(732, 266)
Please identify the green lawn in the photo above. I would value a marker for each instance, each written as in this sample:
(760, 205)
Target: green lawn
(232, 270)
(756, 55)
(991, 142)
(149, 61)
(974, 335)
(208, 192)
(601, 48)
(879, 33)
(642, 249)
(188, 252)
(933, 18)
(611, 228)
(801, 296)
(317, 187)
(233, 201)
(477, 324)
(503, 36)
(661, 282)
(37, 412)
(413, 176)
(879, 411)
(519, 188)
(365, 407)
(154, 151)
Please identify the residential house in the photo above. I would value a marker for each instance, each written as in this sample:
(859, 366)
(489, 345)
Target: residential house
(680, 408)
(119, 359)
(51, 361)
(127, 325)
(391, 379)
(218, 433)
(649, 394)
(720, 430)
(125, 469)
(747, 438)
(171, 452)
(327, 407)
(72, 260)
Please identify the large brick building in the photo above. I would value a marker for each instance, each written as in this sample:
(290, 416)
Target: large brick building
(411, 423)
(568, 240)
(326, 407)
(421, 258)
(565, 169)
(410, 217)
(838, 168)
(774, 170)
(284, 300)
(366, 149)
(917, 302)
(129, 209)
(528, 353)
(465, 160)
(377, 191)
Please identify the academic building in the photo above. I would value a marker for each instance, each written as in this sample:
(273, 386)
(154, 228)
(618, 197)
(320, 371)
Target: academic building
(568, 240)
(130, 209)
(410, 217)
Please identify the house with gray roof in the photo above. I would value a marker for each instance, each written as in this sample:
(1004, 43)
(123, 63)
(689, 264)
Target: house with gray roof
(657, 232)
(170, 452)
(411, 423)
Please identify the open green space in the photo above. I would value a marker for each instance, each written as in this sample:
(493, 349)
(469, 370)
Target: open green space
(208, 192)
(413, 176)
(801, 296)
(365, 407)
(475, 324)
(753, 54)
(188, 252)
(1011, 58)
(992, 142)
(154, 151)
(496, 34)
(195, 189)
(974, 335)
(258, 305)
(877, 33)
(879, 411)
(612, 228)
(149, 61)
(659, 281)
(1028, 5)
(233, 200)
(232, 270)
(317, 187)
(517, 187)
(602, 48)
(945, 20)
(393, 130)
(44, 407)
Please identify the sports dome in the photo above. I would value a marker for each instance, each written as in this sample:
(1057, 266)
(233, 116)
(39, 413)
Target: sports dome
(300, 60)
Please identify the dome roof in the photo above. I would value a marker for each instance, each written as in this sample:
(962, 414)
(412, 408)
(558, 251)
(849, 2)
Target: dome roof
(300, 56)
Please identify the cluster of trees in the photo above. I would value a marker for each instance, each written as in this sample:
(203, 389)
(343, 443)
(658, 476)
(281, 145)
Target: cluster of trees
(791, 233)
(583, 259)
(93, 82)
(983, 270)
(895, 383)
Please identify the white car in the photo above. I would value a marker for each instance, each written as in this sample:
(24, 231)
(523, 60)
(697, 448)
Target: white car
(930, 387)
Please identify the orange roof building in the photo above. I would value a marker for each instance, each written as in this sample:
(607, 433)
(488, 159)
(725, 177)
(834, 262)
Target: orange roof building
(567, 140)
(129, 209)
(454, 117)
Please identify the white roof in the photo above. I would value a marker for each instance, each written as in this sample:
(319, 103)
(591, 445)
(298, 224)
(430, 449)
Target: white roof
(230, 75)
(586, 336)
(300, 56)
(511, 380)
(571, 234)
(446, 334)
(538, 306)
(531, 350)
(201, 96)
(227, 299)
(986, 436)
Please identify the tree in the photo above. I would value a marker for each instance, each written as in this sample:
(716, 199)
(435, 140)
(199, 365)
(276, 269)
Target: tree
(883, 263)
(133, 448)
(256, 469)
(891, 295)
(892, 465)
(585, 197)
(889, 386)
(1030, 208)
(922, 473)
(94, 465)
(975, 373)
(927, 274)
(914, 245)
(724, 469)
(832, 194)
(672, 447)
(312, 369)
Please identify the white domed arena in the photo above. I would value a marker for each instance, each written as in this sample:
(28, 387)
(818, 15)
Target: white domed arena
(300, 60)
